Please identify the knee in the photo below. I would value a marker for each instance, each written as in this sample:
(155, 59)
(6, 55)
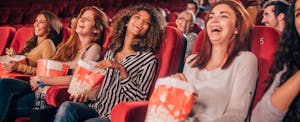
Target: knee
(65, 107)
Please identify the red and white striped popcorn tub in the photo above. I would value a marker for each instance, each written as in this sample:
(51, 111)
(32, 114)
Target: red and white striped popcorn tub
(171, 101)
(6, 59)
(86, 78)
(51, 68)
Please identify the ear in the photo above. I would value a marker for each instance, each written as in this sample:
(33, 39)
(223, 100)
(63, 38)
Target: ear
(235, 31)
(95, 31)
(281, 17)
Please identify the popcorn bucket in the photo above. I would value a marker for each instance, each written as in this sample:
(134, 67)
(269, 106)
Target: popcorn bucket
(6, 59)
(86, 78)
(171, 101)
(47, 67)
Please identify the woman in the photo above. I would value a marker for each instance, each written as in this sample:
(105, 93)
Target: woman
(223, 87)
(282, 101)
(81, 45)
(47, 34)
(130, 62)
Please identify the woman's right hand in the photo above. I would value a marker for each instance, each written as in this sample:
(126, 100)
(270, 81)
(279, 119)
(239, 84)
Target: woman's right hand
(10, 52)
(179, 76)
(10, 67)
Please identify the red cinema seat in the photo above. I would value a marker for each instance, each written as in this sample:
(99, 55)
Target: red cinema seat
(168, 59)
(7, 33)
(21, 37)
(66, 31)
(264, 43)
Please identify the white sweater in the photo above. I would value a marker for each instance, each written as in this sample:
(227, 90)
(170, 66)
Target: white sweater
(223, 95)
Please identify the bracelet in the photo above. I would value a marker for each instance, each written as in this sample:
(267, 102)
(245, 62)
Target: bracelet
(40, 82)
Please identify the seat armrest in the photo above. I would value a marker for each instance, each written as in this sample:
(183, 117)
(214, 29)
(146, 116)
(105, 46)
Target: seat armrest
(129, 111)
(56, 95)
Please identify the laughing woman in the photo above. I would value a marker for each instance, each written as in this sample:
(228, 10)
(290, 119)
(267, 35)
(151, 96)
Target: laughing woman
(224, 73)
(131, 64)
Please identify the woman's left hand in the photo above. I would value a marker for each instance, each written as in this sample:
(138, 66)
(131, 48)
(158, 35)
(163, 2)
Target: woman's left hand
(179, 76)
(79, 98)
(33, 82)
(109, 64)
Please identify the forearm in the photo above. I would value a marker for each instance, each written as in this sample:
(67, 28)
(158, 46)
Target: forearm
(26, 69)
(55, 81)
(123, 73)
(285, 94)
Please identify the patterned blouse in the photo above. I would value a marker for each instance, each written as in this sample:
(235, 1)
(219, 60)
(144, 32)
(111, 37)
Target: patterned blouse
(141, 68)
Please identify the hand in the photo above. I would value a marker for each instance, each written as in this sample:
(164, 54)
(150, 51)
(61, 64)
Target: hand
(10, 67)
(79, 98)
(33, 82)
(179, 76)
(10, 52)
(109, 64)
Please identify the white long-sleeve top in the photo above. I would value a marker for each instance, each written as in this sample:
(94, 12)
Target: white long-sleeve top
(223, 95)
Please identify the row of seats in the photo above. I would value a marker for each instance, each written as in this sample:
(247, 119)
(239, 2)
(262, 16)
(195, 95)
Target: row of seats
(25, 13)
(263, 44)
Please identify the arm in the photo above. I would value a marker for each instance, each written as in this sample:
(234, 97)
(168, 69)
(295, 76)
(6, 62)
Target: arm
(138, 87)
(243, 89)
(275, 103)
(47, 49)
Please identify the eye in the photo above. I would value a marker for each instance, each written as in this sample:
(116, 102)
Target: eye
(297, 14)
(210, 16)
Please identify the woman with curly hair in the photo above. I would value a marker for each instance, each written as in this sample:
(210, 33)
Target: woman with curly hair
(130, 62)
(282, 100)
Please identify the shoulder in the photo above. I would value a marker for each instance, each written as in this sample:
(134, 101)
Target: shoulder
(47, 42)
(95, 47)
(148, 55)
(246, 57)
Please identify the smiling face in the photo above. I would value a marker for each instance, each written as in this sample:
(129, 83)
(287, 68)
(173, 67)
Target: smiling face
(86, 23)
(184, 22)
(41, 26)
(139, 23)
(269, 18)
(221, 25)
(297, 16)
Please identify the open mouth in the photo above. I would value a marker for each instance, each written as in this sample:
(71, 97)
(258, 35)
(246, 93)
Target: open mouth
(216, 29)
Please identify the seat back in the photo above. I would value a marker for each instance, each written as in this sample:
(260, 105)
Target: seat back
(198, 42)
(65, 33)
(264, 41)
(7, 33)
(107, 40)
(21, 37)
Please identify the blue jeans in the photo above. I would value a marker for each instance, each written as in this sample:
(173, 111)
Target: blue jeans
(74, 112)
(10, 89)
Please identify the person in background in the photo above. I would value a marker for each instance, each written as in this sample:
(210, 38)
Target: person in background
(184, 23)
(274, 14)
(47, 35)
(194, 7)
(281, 102)
(130, 62)
(72, 21)
(224, 89)
(82, 44)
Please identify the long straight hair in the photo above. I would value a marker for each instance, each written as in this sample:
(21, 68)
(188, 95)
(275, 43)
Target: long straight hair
(241, 41)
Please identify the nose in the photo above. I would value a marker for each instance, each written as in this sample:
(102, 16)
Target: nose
(263, 20)
(215, 19)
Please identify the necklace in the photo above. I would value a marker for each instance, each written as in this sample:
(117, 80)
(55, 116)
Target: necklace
(120, 56)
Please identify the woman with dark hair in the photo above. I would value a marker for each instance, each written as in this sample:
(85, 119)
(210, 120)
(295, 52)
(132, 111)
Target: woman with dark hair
(224, 72)
(16, 96)
(130, 62)
(47, 35)
(282, 100)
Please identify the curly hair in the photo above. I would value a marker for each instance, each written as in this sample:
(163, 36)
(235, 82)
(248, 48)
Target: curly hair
(241, 41)
(55, 33)
(150, 41)
(288, 55)
(69, 49)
